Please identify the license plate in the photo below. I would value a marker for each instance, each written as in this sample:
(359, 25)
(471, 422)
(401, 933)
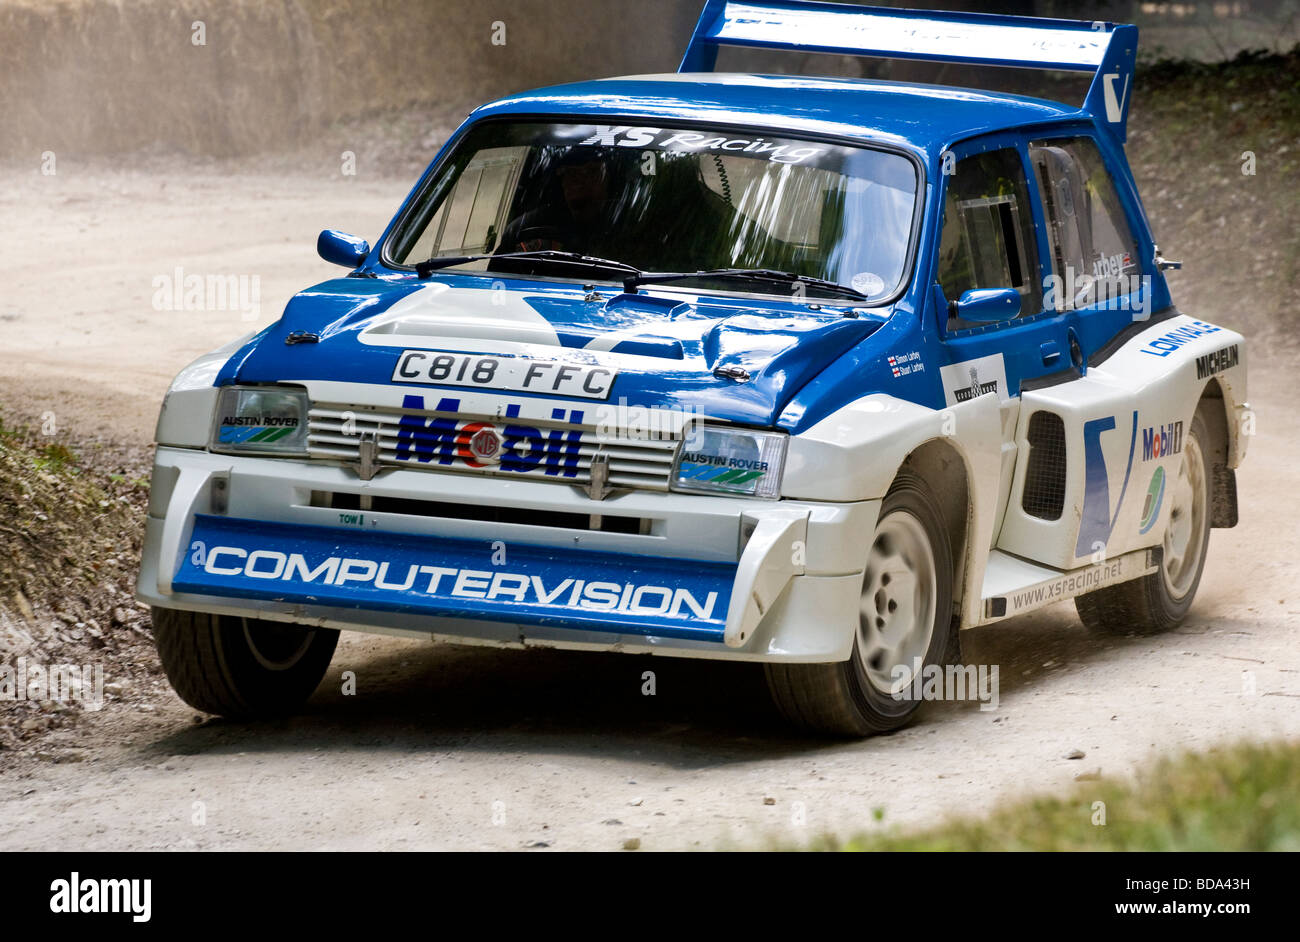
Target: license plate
(514, 374)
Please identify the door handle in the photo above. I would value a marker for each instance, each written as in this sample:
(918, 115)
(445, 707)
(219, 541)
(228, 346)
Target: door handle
(1051, 353)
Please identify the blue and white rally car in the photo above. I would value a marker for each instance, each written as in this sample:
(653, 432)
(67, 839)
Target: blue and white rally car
(802, 371)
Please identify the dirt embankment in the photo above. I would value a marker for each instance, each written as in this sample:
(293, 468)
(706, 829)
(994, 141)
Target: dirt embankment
(69, 550)
(104, 77)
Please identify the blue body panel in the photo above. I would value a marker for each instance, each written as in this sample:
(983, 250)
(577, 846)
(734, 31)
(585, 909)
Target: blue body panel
(452, 578)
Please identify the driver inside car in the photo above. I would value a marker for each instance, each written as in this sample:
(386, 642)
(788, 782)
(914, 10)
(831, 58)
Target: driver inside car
(580, 220)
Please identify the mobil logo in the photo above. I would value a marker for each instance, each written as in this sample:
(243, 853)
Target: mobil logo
(1158, 441)
(445, 439)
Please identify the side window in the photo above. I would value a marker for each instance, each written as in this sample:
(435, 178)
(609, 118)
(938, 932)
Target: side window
(1094, 256)
(988, 231)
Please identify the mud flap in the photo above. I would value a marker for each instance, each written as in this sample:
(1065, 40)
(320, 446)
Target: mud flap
(1223, 497)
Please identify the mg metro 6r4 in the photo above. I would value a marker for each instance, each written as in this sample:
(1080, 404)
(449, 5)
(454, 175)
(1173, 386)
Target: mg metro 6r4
(809, 372)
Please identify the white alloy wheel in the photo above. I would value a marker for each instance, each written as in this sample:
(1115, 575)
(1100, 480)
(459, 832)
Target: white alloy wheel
(1188, 517)
(896, 614)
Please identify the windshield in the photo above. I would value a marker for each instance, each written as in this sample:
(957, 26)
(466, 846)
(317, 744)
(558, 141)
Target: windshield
(668, 199)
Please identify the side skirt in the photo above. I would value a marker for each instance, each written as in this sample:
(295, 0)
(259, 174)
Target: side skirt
(1013, 586)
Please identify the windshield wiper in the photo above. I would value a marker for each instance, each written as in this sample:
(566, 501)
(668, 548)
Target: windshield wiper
(423, 269)
(761, 274)
(635, 276)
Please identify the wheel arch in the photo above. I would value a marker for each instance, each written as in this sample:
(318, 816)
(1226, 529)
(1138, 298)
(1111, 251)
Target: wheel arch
(857, 452)
(947, 473)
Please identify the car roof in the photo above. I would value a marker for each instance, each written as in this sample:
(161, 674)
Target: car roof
(926, 117)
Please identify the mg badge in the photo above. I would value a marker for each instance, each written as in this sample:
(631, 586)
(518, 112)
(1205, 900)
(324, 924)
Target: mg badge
(485, 446)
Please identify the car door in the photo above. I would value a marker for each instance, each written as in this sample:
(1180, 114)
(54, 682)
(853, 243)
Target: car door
(992, 237)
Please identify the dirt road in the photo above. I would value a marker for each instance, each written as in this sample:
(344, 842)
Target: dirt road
(445, 747)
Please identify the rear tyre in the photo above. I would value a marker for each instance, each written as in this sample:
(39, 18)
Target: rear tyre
(1159, 601)
(241, 668)
(905, 614)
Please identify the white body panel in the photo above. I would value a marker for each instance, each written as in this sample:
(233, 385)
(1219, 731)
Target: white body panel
(1142, 394)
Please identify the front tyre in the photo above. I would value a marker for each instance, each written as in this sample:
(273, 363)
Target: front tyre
(904, 619)
(241, 668)
(1160, 601)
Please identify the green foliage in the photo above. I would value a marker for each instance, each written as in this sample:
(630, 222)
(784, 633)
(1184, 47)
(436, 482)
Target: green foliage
(1242, 798)
(54, 457)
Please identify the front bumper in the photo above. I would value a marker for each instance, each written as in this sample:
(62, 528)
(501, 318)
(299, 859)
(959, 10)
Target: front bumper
(698, 577)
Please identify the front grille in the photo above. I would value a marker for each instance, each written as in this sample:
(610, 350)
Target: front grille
(548, 451)
(1044, 495)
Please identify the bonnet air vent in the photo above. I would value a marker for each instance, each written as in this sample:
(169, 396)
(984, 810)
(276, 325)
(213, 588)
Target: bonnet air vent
(1044, 494)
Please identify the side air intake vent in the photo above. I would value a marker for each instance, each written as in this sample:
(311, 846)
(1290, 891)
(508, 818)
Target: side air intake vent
(1044, 495)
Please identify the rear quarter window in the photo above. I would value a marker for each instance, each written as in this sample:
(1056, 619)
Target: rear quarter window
(1093, 252)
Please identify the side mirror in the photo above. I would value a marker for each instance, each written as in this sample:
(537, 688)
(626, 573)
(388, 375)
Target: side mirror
(986, 305)
(341, 248)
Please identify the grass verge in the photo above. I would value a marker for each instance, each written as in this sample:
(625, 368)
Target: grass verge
(1240, 798)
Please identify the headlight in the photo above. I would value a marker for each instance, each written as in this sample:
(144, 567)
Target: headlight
(731, 461)
(261, 420)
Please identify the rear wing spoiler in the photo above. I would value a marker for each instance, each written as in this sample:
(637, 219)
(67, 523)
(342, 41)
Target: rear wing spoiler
(1106, 50)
